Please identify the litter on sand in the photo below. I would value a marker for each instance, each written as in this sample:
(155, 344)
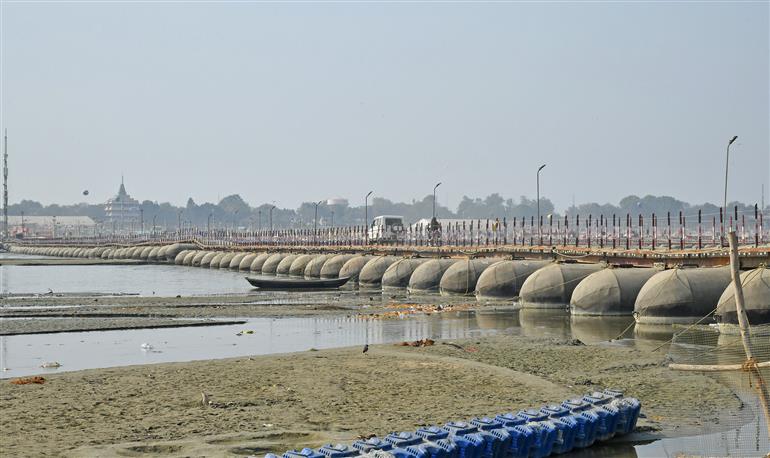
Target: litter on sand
(418, 343)
(28, 380)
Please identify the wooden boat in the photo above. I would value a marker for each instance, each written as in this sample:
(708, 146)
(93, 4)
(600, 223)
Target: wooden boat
(296, 283)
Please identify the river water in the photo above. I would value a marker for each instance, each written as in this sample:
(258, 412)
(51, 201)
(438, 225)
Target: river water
(24, 354)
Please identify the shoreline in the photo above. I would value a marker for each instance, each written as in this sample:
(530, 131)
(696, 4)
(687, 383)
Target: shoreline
(312, 397)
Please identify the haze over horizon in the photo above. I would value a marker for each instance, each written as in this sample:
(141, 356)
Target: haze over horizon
(293, 103)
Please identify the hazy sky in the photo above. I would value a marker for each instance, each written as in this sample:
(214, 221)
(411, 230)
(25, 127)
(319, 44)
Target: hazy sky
(299, 102)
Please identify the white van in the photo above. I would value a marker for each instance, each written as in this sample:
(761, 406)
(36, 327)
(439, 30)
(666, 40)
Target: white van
(386, 229)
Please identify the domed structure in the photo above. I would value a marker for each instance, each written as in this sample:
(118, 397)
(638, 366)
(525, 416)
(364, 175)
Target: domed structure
(246, 261)
(285, 265)
(259, 262)
(332, 267)
(681, 295)
(756, 298)
(503, 280)
(610, 291)
(297, 268)
(371, 274)
(271, 265)
(552, 286)
(427, 276)
(313, 268)
(398, 274)
(236, 261)
(352, 268)
(461, 277)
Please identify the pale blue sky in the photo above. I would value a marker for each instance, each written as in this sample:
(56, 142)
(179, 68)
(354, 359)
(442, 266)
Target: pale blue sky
(300, 102)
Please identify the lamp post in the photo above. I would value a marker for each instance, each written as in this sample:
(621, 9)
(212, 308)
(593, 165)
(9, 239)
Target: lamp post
(179, 220)
(332, 221)
(366, 216)
(141, 219)
(539, 226)
(434, 199)
(235, 218)
(727, 165)
(315, 222)
(259, 220)
(271, 219)
(153, 224)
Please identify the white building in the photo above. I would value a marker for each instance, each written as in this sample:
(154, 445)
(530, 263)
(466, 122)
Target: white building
(122, 212)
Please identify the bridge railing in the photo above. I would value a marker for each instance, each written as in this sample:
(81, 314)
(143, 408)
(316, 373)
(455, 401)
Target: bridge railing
(639, 232)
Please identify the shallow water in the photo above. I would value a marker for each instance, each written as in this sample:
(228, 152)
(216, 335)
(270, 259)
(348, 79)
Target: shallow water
(24, 354)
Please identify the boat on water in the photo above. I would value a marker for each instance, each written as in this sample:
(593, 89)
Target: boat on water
(296, 283)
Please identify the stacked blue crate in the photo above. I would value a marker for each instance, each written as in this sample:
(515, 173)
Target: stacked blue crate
(609, 416)
(470, 444)
(532, 433)
(522, 435)
(588, 419)
(629, 408)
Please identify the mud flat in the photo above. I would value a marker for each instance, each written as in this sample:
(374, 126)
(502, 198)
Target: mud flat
(55, 324)
(217, 306)
(273, 403)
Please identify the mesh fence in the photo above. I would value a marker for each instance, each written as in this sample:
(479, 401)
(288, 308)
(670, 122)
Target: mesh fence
(736, 432)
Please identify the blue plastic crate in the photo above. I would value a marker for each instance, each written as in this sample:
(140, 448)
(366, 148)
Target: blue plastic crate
(546, 432)
(589, 420)
(338, 451)
(497, 437)
(609, 416)
(372, 444)
(565, 423)
(304, 453)
(629, 409)
(470, 444)
(439, 441)
(407, 445)
(522, 436)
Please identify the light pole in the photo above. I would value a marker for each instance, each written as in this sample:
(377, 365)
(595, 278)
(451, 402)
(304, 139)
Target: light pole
(539, 226)
(434, 199)
(179, 220)
(366, 216)
(315, 221)
(271, 219)
(208, 223)
(141, 219)
(235, 218)
(259, 220)
(153, 224)
(727, 165)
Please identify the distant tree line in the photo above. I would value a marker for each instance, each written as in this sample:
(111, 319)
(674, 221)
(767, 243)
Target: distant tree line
(233, 211)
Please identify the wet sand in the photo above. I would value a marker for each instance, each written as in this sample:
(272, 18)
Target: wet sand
(277, 402)
(57, 324)
(91, 310)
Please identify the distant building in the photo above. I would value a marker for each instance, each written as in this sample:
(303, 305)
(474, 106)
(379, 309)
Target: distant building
(50, 226)
(122, 212)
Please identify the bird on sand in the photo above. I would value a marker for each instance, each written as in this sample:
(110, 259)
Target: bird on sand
(366, 348)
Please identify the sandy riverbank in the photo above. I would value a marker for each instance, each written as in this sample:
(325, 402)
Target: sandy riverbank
(72, 313)
(278, 402)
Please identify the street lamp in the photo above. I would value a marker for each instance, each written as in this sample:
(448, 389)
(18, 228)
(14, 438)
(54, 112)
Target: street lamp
(271, 219)
(366, 216)
(539, 226)
(315, 221)
(208, 223)
(727, 164)
(259, 220)
(434, 199)
(235, 217)
(153, 224)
